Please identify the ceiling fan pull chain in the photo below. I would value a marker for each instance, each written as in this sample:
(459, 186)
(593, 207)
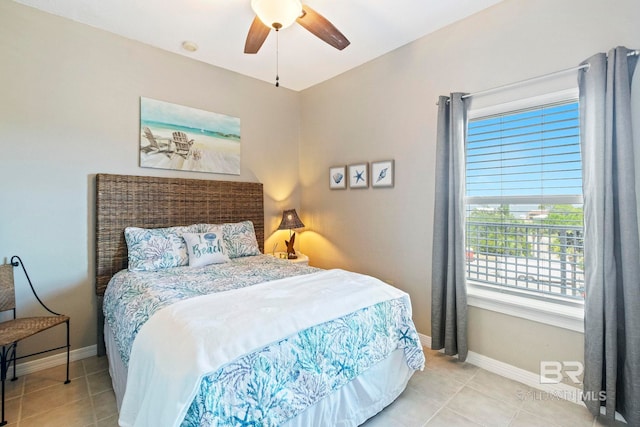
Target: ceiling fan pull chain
(277, 57)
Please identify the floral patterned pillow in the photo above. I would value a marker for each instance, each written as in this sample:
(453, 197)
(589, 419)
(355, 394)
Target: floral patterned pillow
(152, 249)
(205, 248)
(239, 237)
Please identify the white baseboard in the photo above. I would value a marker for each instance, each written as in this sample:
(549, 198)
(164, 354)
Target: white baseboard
(425, 340)
(563, 391)
(55, 360)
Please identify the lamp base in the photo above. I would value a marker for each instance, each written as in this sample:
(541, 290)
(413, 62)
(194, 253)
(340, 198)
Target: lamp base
(291, 253)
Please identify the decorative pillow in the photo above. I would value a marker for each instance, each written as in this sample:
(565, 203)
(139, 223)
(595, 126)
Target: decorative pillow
(152, 249)
(239, 237)
(205, 248)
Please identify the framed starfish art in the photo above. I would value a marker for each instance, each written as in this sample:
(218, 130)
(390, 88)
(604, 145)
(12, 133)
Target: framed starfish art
(359, 175)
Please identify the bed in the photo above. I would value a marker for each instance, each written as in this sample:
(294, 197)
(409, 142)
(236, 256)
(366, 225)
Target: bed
(245, 339)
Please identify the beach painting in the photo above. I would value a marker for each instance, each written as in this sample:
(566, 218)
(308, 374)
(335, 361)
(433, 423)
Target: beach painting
(183, 138)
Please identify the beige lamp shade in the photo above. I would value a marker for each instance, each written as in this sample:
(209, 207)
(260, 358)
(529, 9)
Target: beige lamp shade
(277, 13)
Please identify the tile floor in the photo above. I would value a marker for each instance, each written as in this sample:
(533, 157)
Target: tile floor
(41, 399)
(446, 393)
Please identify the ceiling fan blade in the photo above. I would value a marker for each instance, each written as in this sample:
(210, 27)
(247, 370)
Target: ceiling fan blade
(319, 26)
(258, 33)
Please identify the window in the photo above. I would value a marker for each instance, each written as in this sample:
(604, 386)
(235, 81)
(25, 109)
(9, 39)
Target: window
(524, 218)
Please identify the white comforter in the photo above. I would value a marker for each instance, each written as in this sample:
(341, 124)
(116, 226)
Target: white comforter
(199, 335)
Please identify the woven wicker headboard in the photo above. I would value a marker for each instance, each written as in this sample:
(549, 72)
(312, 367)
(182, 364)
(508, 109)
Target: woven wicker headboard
(152, 202)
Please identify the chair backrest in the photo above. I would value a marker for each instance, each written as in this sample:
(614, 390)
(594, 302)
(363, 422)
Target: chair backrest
(180, 137)
(149, 135)
(7, 289)
(182, 143)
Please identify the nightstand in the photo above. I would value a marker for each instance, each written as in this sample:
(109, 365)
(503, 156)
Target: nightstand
(302, 258)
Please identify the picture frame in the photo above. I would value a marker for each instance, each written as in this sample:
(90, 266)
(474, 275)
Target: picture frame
(382, 174)
(183, 138)
(359, 175)
(338, 177)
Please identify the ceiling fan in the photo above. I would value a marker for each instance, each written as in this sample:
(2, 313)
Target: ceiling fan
(278, 14)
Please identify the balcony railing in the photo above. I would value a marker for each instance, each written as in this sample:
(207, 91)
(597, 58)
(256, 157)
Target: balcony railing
(546, 260)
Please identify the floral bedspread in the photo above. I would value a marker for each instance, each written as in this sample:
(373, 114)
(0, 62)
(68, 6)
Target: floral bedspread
(132, 297)
(270, 386)
(278, 382)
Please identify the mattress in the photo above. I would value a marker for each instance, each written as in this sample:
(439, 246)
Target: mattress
(345, 338)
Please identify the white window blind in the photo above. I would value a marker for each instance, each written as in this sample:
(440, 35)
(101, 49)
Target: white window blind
(524, 222)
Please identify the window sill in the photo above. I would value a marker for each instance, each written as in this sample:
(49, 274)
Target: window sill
(550, 313)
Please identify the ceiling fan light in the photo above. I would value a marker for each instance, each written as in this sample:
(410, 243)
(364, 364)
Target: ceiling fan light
(277, 13)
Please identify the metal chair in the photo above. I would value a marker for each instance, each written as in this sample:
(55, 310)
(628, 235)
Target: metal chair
(12, 331)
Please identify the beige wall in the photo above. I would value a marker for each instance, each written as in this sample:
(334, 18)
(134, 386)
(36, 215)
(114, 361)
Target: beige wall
(386, 109)
(69, 108)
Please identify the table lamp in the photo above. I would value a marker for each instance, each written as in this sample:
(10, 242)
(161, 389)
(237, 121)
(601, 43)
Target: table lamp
(289, 222)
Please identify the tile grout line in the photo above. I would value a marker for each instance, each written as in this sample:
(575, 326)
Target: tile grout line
(464, 384)
(518, 408)
(449, 400)
(514, 416)
(22, 392)
(93, 407)
(81, 376)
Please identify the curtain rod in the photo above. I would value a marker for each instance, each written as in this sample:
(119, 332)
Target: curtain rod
(521, 82)
(544, 76)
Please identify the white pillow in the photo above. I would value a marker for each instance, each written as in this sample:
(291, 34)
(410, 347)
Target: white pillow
(239, 237)
(205, 248)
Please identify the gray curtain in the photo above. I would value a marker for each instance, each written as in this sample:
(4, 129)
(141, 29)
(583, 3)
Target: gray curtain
(611, 239)
(448, 288)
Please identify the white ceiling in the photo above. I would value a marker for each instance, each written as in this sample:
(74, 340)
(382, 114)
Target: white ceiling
(219, 28)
